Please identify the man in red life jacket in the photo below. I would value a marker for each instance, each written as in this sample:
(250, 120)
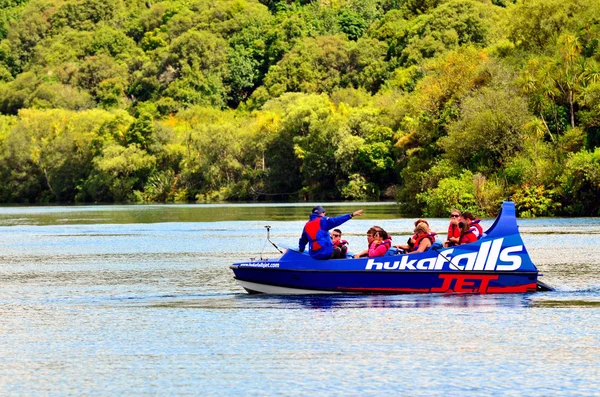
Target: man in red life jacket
(316, 232)
(340, 246)
(473, 223)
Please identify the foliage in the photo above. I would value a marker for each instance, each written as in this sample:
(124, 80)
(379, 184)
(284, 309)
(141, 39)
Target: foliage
(450, 193)
(532, 201)
(489, 130)
(580, 183)
(447, 102)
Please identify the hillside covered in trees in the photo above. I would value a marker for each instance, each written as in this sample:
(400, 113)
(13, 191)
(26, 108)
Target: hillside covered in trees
(434, 103)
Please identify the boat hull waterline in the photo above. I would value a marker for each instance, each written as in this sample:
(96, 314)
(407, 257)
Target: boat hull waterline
(496, 263)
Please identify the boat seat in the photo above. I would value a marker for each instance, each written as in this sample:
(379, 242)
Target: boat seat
(394, 251)
(435, 246)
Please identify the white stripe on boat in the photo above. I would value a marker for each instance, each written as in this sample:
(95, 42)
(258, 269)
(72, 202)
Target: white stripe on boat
(276, 290)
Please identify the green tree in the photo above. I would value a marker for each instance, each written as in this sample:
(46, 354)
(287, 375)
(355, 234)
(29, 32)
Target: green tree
(580, 183)
(490, 130)
(49, 152)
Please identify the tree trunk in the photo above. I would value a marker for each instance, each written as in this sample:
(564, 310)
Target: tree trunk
(571, 108)
(547, 129)
(48, 183)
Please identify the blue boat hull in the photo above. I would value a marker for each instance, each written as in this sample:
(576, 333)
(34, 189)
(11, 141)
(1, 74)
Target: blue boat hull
(389, 283)
(496, 263)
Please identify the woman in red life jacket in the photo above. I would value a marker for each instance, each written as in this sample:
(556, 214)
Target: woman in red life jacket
(473, 223)
(453, 229)
(467, 233)
(424, 238)
(381, 244)
(316, 232)
(340, 247)
(410, 243)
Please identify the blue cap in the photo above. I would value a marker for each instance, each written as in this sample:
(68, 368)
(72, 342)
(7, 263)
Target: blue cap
(318, 210)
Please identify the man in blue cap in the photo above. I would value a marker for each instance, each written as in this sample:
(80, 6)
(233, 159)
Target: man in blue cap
(316, 232)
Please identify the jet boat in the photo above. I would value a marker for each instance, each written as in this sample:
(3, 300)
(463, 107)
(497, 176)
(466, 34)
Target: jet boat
(496, 263)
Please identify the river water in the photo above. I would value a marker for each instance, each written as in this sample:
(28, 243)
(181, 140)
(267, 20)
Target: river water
(139, 300)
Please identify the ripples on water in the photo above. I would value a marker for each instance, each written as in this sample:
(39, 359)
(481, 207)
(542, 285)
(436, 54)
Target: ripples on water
(93, 305)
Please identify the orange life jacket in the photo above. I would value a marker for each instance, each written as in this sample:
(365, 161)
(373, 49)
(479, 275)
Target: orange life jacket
(430, 236)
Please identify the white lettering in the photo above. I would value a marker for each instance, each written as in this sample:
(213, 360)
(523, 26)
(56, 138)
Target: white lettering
(482, 256)
(371, 263)
(485, 259)
(393, 266)
(514, 259)
(427, 263)
(494, 253)
(442, 258)
(405, 264)
(470, 259)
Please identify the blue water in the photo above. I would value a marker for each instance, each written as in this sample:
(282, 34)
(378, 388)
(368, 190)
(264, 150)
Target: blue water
(131, 300)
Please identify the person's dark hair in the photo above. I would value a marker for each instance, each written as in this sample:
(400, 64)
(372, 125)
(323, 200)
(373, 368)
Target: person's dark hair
(382, 233)
(338, 230)
(463, 226)
(468, 215)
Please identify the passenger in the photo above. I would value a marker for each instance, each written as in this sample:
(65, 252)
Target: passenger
(370, 237)
(381, 244)
(340, 247)
(424, 238)
(410, 243)
(473, 222)
(453, 229)
(467, 233)
(316, 232)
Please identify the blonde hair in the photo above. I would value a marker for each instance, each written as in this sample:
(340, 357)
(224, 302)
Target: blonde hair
(422, 227)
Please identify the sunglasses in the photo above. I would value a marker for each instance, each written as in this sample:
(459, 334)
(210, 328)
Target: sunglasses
(336, 235)
(454, 216)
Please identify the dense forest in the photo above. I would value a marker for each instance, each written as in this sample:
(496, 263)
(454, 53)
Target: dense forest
(436, 104)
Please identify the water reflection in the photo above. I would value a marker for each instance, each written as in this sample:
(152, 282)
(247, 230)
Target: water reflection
(136, 214)
(334, 302)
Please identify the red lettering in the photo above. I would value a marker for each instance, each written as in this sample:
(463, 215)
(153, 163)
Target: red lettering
(465, 283)
(446, 284)
(462, 285)
(485, 281)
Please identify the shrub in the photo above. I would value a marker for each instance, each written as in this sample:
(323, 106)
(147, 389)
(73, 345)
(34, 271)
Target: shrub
(532, 201)
(450, 193)
(580, 183)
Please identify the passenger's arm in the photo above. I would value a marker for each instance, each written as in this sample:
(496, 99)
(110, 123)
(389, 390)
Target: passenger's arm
(361, 254)
(423, 246)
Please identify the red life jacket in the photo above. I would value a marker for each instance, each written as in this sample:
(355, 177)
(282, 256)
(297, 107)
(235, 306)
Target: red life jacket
(477, 226)
(468, 237)
(453, 231)
(430, 236)
(340, 243)
(311, 228)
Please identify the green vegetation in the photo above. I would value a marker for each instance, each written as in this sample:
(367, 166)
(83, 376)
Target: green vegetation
(437, 103)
